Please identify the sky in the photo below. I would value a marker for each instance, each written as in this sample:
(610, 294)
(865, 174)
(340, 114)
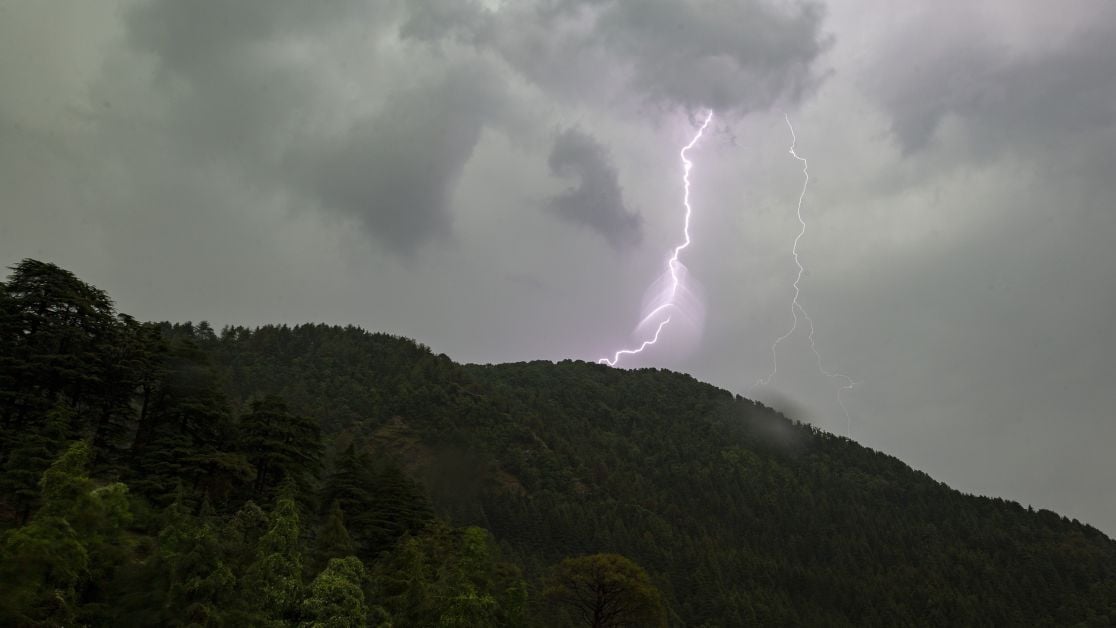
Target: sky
(501, 181)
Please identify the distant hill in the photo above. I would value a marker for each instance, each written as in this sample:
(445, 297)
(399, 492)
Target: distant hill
(739, 515)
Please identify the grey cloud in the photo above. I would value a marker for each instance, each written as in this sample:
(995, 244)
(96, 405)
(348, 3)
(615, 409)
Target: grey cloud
(397, 171)
(732, 55)
(240, 85)
(190, 37)
(597, 202)
(241, 96)
(1004, 98)
(431, 20)
(225, 87)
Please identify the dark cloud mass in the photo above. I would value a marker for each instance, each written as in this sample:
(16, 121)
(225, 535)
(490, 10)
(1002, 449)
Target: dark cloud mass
(396, 172)
(247, 103)
(731, 55)
(597, 201)
(226, 87)
(243, 86)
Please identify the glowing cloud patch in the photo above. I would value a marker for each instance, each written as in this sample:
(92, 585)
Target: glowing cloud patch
(674, 266)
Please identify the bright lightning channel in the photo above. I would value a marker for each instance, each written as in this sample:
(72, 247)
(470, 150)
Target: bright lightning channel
(846, 382)
(672, 263)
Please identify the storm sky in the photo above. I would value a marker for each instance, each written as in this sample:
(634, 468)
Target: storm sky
(500, 181)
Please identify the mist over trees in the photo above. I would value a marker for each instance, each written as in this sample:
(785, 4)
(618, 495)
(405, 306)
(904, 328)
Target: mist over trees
(170, 473)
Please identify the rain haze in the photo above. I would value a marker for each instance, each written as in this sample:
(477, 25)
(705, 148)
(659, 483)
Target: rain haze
(501, 181)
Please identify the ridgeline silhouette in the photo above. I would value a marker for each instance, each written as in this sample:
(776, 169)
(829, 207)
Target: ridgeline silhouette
(158, 473)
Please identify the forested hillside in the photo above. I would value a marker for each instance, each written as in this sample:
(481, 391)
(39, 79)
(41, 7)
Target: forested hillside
(156, 473)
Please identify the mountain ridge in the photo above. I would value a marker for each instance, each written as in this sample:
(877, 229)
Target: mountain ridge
(613, 406)
(469, 482)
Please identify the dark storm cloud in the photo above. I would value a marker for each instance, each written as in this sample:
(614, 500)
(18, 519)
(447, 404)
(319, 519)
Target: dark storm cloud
(226, 88)
(243, 99)
(597, 201)
(732, 55)
(243, 86)
(190, 36)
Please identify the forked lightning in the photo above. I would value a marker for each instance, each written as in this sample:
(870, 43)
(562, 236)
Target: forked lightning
(673, 264)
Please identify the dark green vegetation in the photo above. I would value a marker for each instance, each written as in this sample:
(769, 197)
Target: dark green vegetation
(605, 590)
(170, 474)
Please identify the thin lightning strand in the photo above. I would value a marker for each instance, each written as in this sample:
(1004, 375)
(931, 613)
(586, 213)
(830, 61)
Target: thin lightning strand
(795, 307)
(672, 263)
(847, 383)
(646, 343)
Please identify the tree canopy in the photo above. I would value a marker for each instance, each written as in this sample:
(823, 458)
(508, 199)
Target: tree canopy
(606, 591)
(169, 473)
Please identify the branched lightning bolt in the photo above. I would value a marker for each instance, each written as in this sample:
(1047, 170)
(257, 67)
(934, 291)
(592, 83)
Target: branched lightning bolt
(644, 345)
(672, 263)
(846, 382)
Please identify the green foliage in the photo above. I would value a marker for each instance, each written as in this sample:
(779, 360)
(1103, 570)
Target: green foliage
(335, 598)
(382, 505)
(242, 534)
(31, 451)
(606, 590)
(65, 487)
(185, 434)
(280, 445)
(333, 538)
(41, 566)
(55, 328)
(273, 582)
(72, 540)
(132, 456)
(448, 577)
(200, 582)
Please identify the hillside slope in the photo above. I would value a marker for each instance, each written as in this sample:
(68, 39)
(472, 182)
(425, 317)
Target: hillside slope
(155, 474)
(739, 514)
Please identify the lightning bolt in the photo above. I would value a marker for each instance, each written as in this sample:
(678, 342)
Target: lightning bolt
(673, 265)
(845, 382)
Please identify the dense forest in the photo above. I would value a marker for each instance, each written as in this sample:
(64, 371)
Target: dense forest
(173, 474)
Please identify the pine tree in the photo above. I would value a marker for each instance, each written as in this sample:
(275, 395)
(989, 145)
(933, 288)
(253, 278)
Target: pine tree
(333, 539)
(382, 506)
(274, 580)
(41, 566)
(187, 435)
(349, 486)
(280, 445)
(31, 452)
(72, 539)
(336, 598)
(130, 361)
(241, 535)
(54, 329)
(398, 508)
(190, 582)
(448, 577)
(65, 486)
